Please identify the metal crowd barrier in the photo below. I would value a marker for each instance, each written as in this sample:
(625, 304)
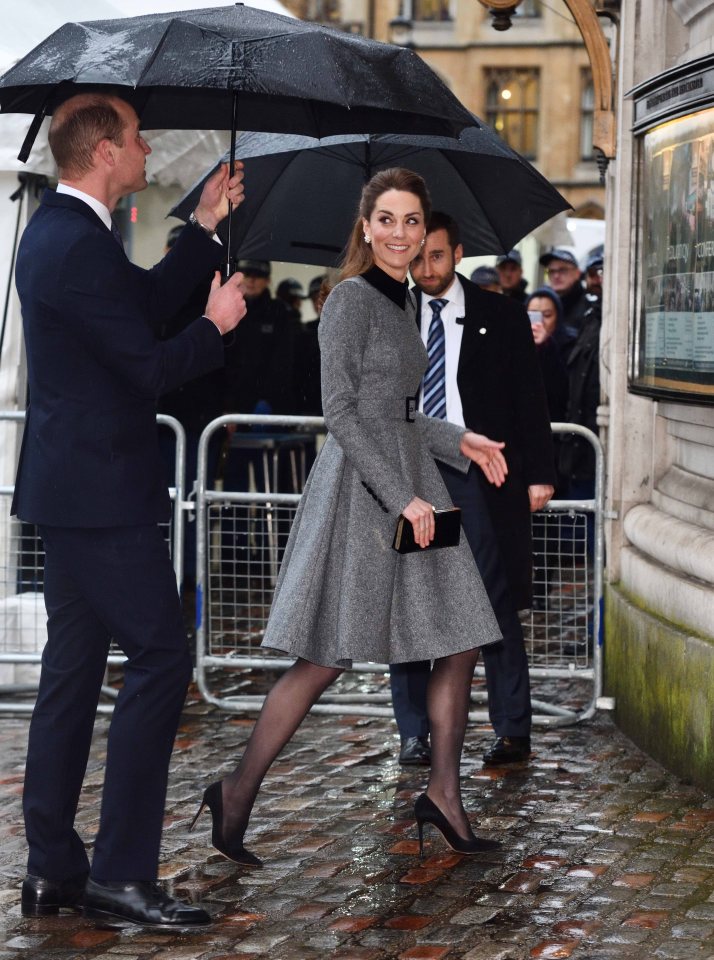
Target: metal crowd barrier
(241, 535)
(23, 619)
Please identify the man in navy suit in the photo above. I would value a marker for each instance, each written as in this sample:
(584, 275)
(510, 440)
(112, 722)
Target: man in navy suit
(90, 476)
(488, 380)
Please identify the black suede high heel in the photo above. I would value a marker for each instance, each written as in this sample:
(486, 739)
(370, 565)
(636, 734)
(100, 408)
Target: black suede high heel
(426, 811)
(234, 850)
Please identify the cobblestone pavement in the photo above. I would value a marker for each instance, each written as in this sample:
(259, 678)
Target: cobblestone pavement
(604, 853)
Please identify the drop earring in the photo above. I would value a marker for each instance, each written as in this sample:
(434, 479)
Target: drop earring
(367, 239)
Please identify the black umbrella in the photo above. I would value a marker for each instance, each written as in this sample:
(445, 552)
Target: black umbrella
(302, 194)
(218, 67)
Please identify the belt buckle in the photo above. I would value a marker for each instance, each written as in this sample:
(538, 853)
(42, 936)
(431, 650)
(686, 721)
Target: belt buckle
(410, 416)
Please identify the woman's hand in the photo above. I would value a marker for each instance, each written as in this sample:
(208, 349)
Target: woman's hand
(421, 516)
(487, 454)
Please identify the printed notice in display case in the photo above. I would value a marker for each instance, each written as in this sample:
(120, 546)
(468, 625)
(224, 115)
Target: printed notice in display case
(676, 342)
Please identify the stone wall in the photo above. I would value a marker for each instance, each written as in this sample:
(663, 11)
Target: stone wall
(659, 646)
(662, 678)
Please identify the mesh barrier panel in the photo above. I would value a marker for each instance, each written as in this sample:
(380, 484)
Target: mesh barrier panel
(558, 629)
(244, 538)
(244, 533)
(22, 608)
(245, 543)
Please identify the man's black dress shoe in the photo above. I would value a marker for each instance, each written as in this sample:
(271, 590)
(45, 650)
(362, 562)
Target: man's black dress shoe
(415, 752)
(42, 898)
(507, 750)
(140, 902)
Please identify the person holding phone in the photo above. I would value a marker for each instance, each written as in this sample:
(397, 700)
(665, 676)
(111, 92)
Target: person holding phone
(545, 312)
(553, 343)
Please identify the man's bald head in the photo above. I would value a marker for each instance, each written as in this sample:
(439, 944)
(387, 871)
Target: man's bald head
(78, 125)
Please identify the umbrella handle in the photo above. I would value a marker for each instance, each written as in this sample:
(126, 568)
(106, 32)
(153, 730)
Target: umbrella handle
(52, 97)
(32, 133)
(231, 171)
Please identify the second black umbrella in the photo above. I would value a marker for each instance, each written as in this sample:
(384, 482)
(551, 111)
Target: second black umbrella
(302, 194)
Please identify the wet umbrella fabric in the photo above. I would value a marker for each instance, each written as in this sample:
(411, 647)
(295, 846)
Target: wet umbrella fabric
(181, 70)
(302, 194)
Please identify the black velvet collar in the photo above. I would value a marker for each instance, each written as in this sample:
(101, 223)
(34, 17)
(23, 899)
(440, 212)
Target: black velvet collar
(393, 289)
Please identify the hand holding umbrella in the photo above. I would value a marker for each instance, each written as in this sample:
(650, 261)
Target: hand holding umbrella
(221, 194)
(226, 304)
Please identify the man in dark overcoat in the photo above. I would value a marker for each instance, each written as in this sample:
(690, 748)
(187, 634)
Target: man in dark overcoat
(90, 476)
(493, 386)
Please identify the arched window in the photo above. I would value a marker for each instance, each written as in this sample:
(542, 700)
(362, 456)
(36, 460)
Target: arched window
(512, 107)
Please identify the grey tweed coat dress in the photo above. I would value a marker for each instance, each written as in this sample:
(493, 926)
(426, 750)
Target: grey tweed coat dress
(343, 593)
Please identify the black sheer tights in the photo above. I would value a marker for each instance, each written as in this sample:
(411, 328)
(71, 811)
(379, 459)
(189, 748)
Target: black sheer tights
(301, 686)
(447, 699)
(285, 707)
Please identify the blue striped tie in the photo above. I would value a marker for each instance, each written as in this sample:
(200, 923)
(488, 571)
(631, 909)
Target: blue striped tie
(434, 387)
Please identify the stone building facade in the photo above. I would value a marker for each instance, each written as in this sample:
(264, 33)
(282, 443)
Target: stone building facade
(658, 384)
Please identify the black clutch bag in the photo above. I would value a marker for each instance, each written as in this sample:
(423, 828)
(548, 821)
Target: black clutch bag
(447, 532)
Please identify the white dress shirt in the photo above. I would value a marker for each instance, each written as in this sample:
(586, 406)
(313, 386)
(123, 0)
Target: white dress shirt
(101, 211)
(453, 332)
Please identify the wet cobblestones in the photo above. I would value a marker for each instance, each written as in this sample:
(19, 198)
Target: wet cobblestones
(604, 853)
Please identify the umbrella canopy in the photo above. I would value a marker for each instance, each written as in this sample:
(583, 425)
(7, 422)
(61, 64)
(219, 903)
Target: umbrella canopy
(302, 194)
(181, 70)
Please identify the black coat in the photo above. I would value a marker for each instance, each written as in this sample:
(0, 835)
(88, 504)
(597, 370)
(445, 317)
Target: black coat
(503, 397)
(577, 455)
(90, 456)
(576, 304)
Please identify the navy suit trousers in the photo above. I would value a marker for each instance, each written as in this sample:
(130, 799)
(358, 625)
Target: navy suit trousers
(505, 662)
(101, 584)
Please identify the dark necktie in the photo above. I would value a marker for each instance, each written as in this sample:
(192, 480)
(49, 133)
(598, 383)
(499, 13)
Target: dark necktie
(117, 235)
(434, 388)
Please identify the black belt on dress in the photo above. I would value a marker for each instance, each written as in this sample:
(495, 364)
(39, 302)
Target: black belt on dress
(388, 409)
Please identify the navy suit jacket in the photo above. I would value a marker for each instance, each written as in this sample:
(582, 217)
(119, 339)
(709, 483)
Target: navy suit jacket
(503, 397)
(89, 454)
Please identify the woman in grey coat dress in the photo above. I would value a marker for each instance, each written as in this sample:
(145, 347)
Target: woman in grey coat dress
(343, 592)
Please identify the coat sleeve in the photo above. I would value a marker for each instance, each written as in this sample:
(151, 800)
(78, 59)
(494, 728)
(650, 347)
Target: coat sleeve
(114, 328)
(444, 441)
(168, 285)
(343, 335)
